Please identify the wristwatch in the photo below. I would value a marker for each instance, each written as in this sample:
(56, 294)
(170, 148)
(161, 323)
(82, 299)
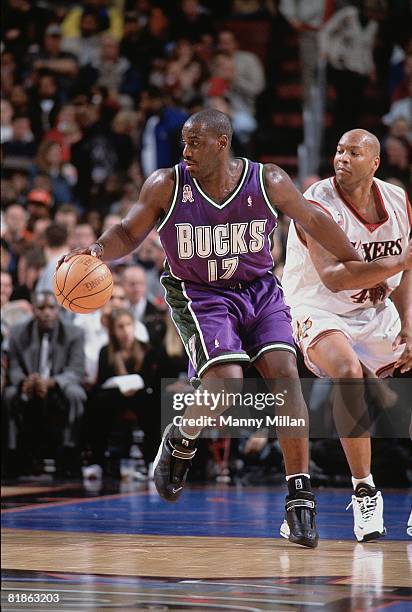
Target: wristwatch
(92, 249)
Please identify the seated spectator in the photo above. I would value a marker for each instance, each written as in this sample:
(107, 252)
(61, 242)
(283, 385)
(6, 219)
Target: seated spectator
(95, 326)
(249, 77)
(109, 18)
(135, 285)
(6, 288)
(85, 46)
(56, 246)
(49, 160)
(6, 116)
(111, 409)
(112, 71)
(21, 143)
(396, 160)
(161, 131)
(57, 61)
(67, 215)
(192, 21)
(16, 234)
(45, 397)
(45, 98)
(30, 266)
(65, 130)
(81, 236)
(151, 257)
(39, 202)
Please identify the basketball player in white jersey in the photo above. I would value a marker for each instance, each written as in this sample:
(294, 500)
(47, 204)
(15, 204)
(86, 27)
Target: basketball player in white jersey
(337, 323)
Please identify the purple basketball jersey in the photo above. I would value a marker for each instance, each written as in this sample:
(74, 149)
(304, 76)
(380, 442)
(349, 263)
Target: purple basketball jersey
(219, 244)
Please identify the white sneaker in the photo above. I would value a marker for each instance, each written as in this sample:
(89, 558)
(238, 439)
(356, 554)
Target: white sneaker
(367, 506)
(409, 527)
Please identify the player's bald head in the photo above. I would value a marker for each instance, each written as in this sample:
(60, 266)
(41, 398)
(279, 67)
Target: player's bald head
(362, 138)
(212, 121)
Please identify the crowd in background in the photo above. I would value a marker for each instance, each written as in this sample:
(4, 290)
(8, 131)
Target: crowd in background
(93, 99)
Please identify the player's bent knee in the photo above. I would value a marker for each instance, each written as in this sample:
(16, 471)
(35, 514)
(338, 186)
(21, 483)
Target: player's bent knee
(348, 369)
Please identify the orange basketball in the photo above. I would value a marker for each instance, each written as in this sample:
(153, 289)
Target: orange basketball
(83, 284)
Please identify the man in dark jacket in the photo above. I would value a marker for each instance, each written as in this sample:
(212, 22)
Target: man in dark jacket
(45, 398)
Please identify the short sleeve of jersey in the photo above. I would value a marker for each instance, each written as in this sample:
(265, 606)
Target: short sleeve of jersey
(323, 195)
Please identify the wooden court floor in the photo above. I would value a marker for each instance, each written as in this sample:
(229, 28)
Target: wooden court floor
(216, 549)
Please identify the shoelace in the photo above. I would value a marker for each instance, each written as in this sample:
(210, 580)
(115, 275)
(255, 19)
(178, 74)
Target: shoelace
(367, 505)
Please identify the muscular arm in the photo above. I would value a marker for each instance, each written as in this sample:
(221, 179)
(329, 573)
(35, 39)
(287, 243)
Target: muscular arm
(338, 276)
(284, 195)
(154, 200)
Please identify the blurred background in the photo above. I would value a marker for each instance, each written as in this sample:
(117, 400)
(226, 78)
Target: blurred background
(93, 98)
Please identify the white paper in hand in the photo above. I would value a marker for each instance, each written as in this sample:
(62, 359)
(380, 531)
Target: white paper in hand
(127, 383)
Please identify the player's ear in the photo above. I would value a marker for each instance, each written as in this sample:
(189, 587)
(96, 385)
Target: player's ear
(377, 162)
(223, 141)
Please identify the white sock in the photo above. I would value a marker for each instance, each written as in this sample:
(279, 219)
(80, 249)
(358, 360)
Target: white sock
(299, 474)
(367, 480)
(186, 435)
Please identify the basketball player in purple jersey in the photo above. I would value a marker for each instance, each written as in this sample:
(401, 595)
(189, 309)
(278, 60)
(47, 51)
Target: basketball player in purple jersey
(215, 216)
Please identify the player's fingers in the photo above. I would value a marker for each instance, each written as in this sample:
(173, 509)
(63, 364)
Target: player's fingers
(405, 360)
(397, 342)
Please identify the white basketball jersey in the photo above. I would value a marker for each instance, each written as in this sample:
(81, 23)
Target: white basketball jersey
(389, 237)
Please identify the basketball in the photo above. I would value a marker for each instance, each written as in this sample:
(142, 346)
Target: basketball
(83, 284)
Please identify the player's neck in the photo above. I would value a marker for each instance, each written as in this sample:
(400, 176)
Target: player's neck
(223, 179)
(359, 196)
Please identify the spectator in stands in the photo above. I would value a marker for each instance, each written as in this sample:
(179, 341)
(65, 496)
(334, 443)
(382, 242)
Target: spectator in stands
(38, 206)
(16, 234)
(21, 144)
(6, 288)
(346, 43)
(160, 141)
(45, 397)
(81, 236)
(109, 18)
(151, 257)
(135, 285)
(248, 79)
(30, 266)
(396, 161)
(67, 215)
(6, 116)
(112, 409)
(192, 21)
(65, 130)
(56, 245)
(44, 100)
(95, 326)
(53, 59)
(112, 71)
(85, 46)
(49, 160)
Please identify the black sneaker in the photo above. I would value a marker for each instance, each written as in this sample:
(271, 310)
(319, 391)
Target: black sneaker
(172, 463)
(299, 525)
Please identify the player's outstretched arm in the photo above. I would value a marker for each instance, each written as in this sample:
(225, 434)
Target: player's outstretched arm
(118, 241)
(284, 196)
(338, 276)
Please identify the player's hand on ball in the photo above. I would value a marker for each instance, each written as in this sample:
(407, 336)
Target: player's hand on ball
(405, 360)
(94, 249)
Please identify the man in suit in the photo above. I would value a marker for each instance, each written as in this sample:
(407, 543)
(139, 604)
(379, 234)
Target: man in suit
(45, 398)
(135, 285)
